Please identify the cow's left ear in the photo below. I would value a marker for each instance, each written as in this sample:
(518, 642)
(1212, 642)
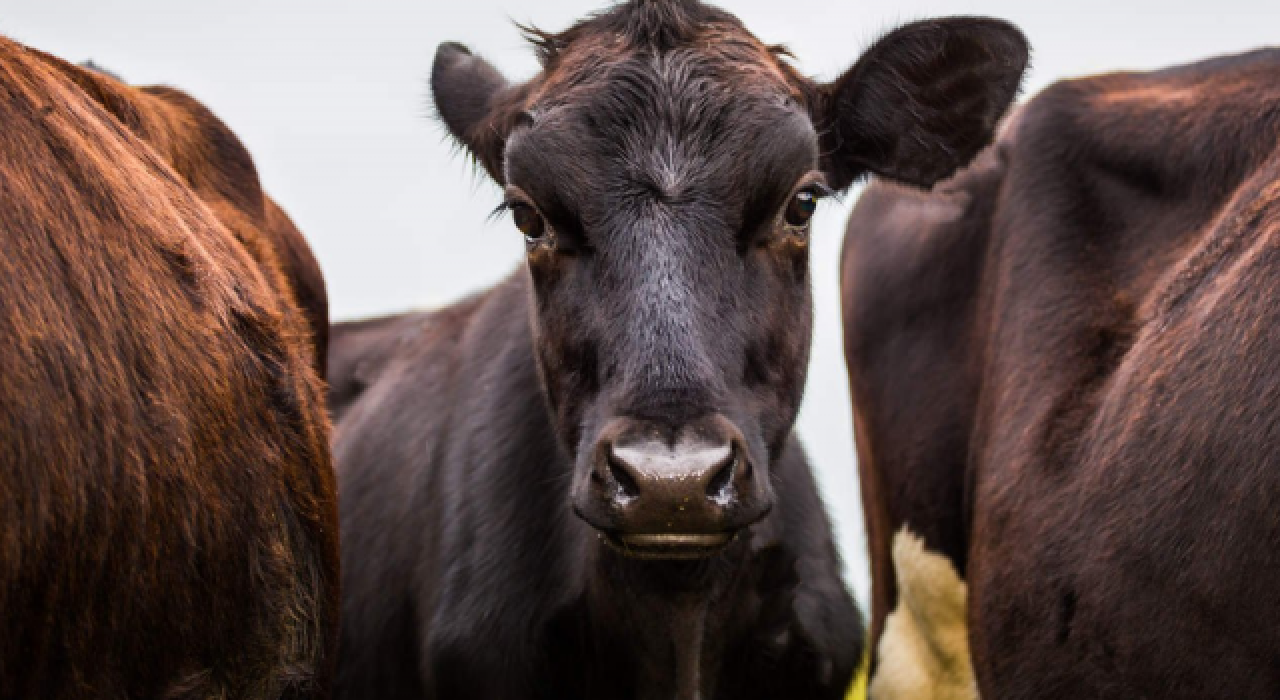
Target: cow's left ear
(922, 102)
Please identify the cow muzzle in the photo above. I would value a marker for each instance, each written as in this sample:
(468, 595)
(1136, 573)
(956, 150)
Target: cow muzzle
(661, 494)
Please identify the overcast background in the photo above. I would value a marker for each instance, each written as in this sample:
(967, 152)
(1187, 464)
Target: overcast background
(331, 99)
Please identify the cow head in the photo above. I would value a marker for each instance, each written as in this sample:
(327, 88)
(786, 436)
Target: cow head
(664, 168)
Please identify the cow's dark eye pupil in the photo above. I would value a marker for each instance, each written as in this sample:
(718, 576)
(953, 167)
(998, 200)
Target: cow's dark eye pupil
(528, 221)
(801, 208)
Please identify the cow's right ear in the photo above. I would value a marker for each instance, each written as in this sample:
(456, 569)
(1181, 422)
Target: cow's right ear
(464, 87)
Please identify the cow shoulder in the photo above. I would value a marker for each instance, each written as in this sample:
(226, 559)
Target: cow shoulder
(1099, 224)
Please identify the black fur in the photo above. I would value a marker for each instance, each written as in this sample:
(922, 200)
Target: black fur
(466, 574)
(661, 145)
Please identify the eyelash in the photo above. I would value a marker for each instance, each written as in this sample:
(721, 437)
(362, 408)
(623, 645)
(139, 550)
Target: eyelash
(822, 191)
(503, 207)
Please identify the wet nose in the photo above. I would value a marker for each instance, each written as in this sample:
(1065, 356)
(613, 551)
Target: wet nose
(676, 498)
(652, 475)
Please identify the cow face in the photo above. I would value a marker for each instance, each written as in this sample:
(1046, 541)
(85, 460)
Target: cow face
(664, 169)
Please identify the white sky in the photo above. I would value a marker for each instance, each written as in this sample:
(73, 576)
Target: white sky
(331, 99)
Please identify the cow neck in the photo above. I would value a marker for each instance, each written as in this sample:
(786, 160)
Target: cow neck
(670, 618)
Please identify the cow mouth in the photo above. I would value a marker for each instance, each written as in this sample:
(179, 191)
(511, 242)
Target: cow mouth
(670, 545)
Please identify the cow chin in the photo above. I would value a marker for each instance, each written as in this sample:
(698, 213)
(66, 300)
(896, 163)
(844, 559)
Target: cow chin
(668, 547)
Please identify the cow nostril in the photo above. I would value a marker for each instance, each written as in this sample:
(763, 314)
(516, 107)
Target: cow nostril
(628, 489)
(720, 488)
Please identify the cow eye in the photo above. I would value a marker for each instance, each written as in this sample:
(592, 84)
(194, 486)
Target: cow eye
(801, 207)
(528, 220)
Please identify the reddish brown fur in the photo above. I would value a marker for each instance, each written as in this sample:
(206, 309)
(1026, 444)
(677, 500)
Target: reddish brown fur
(1065, 374)
(302, 272)
(169, 515)
(220, 171)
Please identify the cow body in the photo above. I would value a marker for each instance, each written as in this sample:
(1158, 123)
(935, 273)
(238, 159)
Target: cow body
(167, 507)
(467, 574)
(1066, 377)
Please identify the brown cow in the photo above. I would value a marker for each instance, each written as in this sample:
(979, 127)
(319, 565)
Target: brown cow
(1066, 374)
(168, 521)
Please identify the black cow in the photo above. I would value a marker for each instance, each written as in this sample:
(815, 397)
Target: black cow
(584, 483)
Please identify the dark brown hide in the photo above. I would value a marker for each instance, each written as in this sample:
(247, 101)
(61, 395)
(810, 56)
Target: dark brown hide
(1065, 366)
(168, 520)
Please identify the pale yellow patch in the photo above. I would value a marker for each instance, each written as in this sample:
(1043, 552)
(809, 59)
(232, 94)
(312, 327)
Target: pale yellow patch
(924, 651)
